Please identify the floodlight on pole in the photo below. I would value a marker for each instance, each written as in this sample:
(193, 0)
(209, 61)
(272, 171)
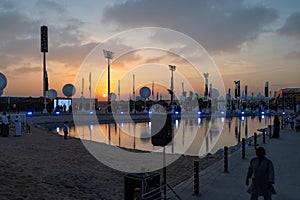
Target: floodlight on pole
(172, 68)
(108, 55)
(206, 84)
(44, 50)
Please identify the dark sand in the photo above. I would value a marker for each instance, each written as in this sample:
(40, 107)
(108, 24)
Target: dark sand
(42, 165)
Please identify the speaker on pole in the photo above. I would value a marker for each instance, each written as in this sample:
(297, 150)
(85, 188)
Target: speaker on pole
(161, 129)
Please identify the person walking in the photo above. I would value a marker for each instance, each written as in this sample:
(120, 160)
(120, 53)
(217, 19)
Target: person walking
(5, 125)
(261, 170)
(18, 126)
(66, 130)
(292, 120)
(276, 127)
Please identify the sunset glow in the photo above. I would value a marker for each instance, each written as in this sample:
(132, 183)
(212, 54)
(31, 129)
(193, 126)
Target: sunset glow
(265, 49)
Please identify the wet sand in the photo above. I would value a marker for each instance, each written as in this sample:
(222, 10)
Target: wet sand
(43, 165)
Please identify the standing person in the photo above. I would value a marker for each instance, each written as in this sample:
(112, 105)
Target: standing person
(5, 125)
(18, 126)
(261, 171)
(66, 130)
(292, 120)
(276, 127)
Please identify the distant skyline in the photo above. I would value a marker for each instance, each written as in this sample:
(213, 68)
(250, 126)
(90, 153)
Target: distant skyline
(252, 40)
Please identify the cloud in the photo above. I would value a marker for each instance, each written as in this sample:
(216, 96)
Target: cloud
(217, 25)
(156, 59)
(17, 52)
(71, 56)
(23, 70)
(7, 5)
(50, 5)
(291, 26)
(20, 37)
(293, 55)
(16, 25)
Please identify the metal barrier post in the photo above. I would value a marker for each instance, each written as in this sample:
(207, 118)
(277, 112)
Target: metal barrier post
(243, 148)
(270, 131)
(264, 136)
(255, 140)
(225, 159)
(196, 177)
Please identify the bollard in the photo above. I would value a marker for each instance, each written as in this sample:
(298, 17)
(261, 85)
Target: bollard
(255, 140)
(225, 159)
(137, 194)
(243, 148)
(270, 131)
(264, 136)
(196, 177)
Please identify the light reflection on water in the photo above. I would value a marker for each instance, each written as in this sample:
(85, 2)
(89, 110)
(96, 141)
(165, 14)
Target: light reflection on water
(195, 136)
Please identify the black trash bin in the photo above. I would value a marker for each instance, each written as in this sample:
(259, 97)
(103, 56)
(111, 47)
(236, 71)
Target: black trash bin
(148, 182)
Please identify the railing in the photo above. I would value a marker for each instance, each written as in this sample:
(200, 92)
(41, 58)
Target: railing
(212, 173)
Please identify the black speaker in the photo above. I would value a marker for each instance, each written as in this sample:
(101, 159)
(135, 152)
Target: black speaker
(161, 129)
(149, 183)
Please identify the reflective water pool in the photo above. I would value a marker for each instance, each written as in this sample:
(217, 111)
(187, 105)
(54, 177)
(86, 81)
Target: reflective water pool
(194, 136)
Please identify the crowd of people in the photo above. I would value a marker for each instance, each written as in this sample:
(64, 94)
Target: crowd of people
(8, 121)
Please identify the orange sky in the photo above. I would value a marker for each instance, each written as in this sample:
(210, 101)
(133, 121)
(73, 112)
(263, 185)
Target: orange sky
(266, 48)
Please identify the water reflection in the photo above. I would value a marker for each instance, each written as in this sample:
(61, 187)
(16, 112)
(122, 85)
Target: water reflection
(196, 136)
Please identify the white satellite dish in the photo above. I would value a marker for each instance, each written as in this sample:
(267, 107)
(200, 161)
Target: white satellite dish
(112, 96)
(69, 90)
(3, 81)
(52, 94)
(145, 92)
(215, 93)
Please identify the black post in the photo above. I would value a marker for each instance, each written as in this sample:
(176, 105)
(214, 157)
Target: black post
(243, 148)
(196, 177)
(108, 82)
(225, 159)
(264, 136)
(255, 140)
(44, 49)
(165, 175)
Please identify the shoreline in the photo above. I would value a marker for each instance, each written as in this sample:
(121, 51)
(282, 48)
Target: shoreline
(44, 165)
(44, 120)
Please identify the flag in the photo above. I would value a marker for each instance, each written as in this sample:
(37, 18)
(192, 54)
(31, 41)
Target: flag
(90, 80)
(133, 86)
(46, 81)
(119, 88)
(82, 86)
(152, 88)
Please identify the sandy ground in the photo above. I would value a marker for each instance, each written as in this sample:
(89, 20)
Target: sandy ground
(42, 165)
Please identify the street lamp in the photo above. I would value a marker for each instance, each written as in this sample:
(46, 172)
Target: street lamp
(206, 84)
(44, 50)
(109, 55)
(172, 68)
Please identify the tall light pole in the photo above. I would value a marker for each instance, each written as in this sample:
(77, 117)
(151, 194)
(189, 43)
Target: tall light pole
(109, 55)
(172, 68)
(44, 50)
(206, 84)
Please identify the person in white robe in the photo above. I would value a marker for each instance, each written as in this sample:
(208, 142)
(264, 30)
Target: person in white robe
(18, 126)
